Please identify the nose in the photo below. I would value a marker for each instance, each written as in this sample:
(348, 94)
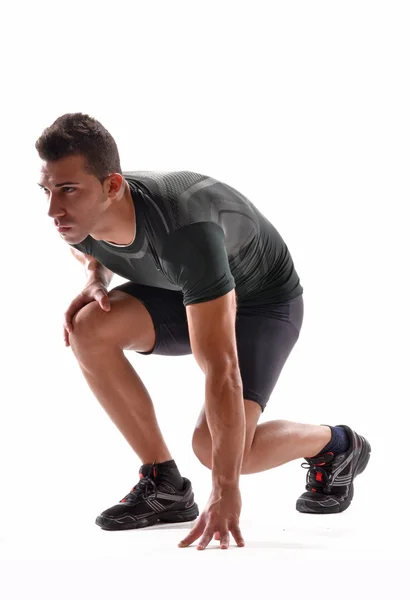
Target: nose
(55, 209)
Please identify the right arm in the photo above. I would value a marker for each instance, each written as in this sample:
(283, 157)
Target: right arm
(93, 269)
(98, 280)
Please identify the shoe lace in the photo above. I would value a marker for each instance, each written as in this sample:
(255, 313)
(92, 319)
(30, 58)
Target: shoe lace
(312, 482)
(142, 488)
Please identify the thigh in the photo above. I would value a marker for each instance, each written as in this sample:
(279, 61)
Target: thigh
(168, 314)
(265, 338)
(127, 324)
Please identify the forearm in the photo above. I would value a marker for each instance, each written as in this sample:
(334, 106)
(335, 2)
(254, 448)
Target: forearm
(93, 269)
(96, 271)
(226, 420)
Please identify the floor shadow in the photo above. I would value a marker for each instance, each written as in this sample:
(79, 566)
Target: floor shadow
(186, 525)
(261, 546)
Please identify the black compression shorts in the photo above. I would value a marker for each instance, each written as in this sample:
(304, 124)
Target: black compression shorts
(265, 335)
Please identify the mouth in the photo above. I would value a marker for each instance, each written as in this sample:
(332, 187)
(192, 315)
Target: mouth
(64, 228)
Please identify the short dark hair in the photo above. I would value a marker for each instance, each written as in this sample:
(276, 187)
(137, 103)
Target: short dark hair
(78, 133)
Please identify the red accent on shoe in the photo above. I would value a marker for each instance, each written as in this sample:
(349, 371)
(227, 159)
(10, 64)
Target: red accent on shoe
(314, 490)
(319, 476)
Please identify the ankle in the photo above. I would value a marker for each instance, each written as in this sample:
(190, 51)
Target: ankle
(319, 438)
(167, 471)
(339, 442)
(158, 457)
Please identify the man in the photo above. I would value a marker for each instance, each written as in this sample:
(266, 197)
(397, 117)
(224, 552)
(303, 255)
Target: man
(206, 273)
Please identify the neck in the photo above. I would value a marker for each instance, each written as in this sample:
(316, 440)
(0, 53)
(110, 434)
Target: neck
(120, 220)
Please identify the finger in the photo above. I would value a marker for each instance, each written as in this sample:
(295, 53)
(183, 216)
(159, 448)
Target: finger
(217, 536)
(206, 538)
(66, 338)
(103, 300)
(237, 535)
(193, 535)
(67, 324)
(70, 312)
(225, 539)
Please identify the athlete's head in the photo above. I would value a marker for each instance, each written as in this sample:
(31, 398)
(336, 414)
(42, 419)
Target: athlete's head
(80, 173)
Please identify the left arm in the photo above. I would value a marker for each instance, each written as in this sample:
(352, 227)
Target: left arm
(213, 341)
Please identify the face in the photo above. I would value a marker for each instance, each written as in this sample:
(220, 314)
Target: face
(77, 199)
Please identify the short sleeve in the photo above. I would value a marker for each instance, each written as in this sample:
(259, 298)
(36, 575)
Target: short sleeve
(84, 246)
(194, 258)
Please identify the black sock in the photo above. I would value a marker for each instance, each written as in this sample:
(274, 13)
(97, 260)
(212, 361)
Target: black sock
(339, 442)
(165, 471)
(168, 470)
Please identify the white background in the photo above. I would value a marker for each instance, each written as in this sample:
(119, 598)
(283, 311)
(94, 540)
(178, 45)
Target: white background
(303, 107)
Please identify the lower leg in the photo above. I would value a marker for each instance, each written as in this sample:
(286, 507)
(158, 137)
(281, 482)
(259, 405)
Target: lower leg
(124, 397)
(278, 442)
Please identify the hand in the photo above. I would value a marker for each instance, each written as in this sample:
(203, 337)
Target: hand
(220, 516)
(95, 290)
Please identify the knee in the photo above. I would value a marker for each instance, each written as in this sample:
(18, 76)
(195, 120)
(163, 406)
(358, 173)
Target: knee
(90, 325)
(202, 447)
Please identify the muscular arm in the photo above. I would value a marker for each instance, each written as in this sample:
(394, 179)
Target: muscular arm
(93, 269)
(213, 342)
(226, 420)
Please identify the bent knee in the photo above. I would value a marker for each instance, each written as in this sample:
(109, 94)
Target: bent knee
(91, 324)
(127, 324)
(202, 447)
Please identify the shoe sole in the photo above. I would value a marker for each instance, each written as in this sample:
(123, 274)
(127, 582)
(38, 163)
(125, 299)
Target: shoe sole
(177, 516)
(309, 508)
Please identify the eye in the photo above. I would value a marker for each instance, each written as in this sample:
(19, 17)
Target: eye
(45, 190)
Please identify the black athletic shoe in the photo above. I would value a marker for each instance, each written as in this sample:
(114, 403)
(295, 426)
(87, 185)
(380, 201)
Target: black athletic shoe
(329, 481)
(153, 500)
